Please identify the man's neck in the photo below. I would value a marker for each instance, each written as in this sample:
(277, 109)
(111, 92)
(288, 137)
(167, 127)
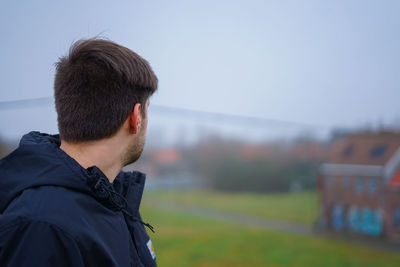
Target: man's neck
(103, 154)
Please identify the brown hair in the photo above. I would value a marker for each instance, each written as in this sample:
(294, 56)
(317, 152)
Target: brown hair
(96, 87)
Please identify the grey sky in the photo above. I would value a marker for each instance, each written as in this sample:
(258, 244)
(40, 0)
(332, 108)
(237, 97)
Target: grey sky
(334, 63)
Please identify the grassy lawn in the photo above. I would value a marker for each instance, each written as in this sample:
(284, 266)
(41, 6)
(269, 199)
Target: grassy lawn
(299, 208)
(185, 240)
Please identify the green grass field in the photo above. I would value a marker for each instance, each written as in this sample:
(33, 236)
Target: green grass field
(296, 207)
(188, 240)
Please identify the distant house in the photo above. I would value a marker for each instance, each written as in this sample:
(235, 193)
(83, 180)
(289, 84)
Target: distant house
(167, 156)
(156, 162)
(359, 187)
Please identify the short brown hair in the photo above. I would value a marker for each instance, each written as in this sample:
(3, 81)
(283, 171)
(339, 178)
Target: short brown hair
(96, 87)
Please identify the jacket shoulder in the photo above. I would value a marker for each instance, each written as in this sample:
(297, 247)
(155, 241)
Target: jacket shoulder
(68, 209)
(27, 242)
(102, 235)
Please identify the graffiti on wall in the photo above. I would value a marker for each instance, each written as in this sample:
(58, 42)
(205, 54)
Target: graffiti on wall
(357, 219)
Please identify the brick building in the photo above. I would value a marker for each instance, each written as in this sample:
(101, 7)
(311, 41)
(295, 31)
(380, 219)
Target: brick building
(359, 187)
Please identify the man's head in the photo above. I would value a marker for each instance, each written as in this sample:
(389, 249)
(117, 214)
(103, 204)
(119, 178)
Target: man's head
(98, 87)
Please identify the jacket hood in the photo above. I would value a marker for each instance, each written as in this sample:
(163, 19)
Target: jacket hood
(39, 161)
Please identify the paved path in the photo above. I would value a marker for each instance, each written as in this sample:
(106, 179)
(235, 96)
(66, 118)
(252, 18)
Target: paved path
(235, 217)
(270, 224)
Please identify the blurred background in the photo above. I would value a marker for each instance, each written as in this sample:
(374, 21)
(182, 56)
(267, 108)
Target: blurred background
(274, 137)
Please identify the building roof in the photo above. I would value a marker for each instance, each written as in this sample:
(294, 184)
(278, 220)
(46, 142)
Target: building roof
(365, 148)
(366, 154)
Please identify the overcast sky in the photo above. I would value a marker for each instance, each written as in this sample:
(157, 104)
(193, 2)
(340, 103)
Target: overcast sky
(333, 63)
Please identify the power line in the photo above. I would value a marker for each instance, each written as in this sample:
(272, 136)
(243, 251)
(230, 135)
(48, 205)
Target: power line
(175, 111)
(25, 103)
(230, 118)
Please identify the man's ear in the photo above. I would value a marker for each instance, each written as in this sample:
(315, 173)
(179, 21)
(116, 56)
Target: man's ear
(135, 118)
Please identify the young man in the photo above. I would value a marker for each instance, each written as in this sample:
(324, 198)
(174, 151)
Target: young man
(63, 198)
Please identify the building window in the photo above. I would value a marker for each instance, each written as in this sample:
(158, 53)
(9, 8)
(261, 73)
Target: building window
(328, 180)
(348, 151)
(346, 181)
(378, 151)
(338, 217)
(396, 217)
(359, 185)
(372, 185)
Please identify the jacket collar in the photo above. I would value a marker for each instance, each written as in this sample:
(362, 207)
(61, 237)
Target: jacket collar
(39, 161)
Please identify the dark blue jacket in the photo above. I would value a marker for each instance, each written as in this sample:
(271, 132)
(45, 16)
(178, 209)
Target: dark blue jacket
(57, 213)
